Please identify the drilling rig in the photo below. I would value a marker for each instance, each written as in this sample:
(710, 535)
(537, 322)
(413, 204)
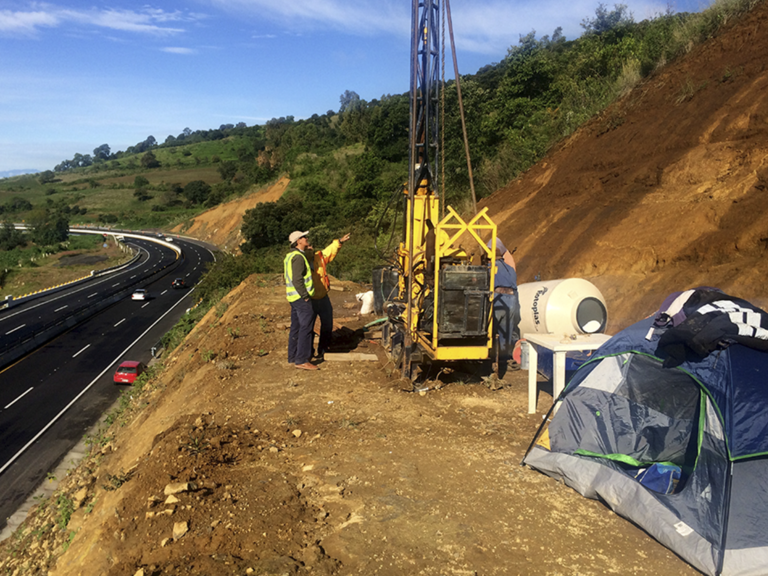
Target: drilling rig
(439, 307)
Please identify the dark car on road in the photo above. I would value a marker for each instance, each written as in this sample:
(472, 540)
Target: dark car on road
(178, 283)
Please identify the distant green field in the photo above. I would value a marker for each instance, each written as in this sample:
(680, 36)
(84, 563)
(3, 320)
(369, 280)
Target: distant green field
(108, 189)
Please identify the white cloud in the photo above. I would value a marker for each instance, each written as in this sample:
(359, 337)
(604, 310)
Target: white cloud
(26, 22)
(178, 50)
(487, 27)
(147, 20)
(360, 17)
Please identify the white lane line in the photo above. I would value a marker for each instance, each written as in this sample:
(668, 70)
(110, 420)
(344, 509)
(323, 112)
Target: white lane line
(121, 321)
(145, 305)
(118, 284)
(45, 428)
(189, 273)
(163, 292)
(81, 351)
(132, 277)
(62, 308)
(94, 294)
(14, 330)
(19, 398)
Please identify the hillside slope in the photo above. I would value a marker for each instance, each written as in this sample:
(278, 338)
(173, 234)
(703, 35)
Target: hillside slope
(664, 191)
(221, 225)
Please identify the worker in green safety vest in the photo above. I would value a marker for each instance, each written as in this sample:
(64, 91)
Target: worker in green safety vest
(299, 290)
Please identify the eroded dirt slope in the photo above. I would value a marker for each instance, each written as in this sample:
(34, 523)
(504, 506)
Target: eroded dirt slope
(665, 191)
(221, 225)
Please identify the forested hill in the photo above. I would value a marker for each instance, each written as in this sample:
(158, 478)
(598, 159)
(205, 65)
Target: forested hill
(346, 165)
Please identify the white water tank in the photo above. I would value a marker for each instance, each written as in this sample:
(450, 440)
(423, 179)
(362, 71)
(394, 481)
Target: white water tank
(566, 306)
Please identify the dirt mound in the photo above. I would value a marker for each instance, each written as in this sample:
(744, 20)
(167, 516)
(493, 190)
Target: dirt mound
(221, 225)
(664, 191)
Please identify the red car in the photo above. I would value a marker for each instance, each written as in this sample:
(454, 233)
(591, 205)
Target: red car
(128, 371)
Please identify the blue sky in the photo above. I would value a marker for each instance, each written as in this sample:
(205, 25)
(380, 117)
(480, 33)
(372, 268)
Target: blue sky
(77, 74)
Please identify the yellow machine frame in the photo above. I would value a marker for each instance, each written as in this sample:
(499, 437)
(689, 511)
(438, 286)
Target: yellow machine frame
(449, 232)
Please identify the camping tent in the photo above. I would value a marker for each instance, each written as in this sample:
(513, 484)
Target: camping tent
(682, 451)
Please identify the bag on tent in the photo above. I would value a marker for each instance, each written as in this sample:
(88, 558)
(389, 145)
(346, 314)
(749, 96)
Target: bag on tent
(659, 477)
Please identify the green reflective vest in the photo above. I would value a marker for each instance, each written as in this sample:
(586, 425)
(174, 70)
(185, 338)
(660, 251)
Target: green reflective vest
(290, 290)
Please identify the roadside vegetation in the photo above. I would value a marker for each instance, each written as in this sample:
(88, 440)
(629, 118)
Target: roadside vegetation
(348, 166)
(27, 267)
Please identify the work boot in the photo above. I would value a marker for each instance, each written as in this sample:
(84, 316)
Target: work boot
(307, 366)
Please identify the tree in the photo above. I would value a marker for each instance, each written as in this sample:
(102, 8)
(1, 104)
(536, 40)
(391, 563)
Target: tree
(140, 182)
(46, 177)
(18, 204)
(348, 100)
(605, 20)
(227, 169)
(10, 237)
(102, 152)
(149, 161)
(48, 226)
(141, 194)
(197, 191)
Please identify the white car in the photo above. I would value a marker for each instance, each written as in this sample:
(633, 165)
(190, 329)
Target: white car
(140, 294)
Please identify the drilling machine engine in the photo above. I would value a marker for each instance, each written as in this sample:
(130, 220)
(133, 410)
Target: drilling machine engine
(438, 298)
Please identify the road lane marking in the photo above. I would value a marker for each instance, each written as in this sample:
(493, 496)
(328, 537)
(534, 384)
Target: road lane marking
(132, 277)
(118, 284)
(62, 308)
(55, 419)
(14, 330)
(121, 321)
(94, 294)
(163, 292)
(19, 398)
(81, 351)
(145, 305)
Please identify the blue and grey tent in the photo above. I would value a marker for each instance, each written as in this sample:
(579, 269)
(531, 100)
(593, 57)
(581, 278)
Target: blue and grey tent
(670, 430)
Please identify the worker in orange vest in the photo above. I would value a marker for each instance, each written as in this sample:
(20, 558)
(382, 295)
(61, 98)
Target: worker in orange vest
(321, 303)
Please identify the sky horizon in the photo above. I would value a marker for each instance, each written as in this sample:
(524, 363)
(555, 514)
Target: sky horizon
(77, 74)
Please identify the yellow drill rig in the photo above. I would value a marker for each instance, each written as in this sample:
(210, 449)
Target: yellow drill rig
(438, 297)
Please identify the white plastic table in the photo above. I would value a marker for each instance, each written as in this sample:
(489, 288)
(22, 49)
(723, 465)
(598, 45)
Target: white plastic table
(559, 345)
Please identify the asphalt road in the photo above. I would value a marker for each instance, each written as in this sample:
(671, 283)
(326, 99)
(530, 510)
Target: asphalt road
(50, 397)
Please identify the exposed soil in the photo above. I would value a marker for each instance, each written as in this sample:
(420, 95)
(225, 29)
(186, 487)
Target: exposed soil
(280, 471)
(221, 225)
(80, 260)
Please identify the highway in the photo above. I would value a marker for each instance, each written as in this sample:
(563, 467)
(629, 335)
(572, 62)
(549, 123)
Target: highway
(52, 395)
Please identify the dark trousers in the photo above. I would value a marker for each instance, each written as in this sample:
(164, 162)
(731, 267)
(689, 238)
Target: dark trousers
(506, 322)
(301, 334)
(324, 309)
